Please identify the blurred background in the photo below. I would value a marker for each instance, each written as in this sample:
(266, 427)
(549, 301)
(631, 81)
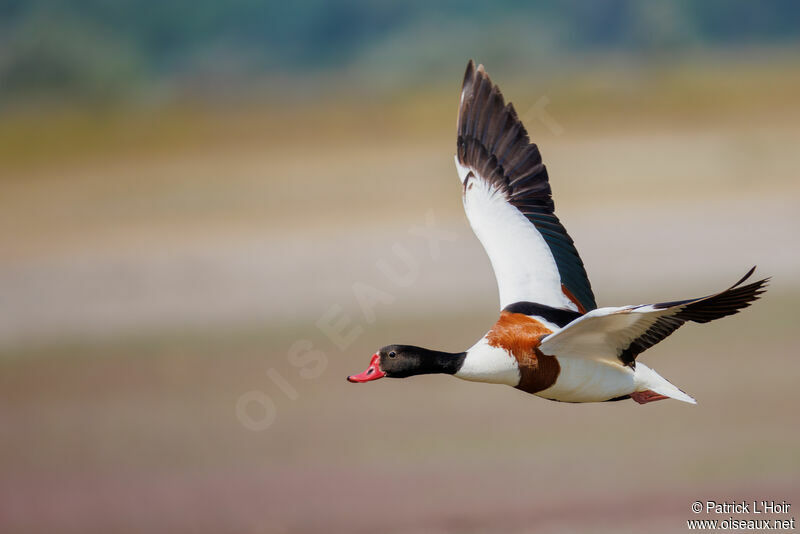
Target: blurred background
(211, 213)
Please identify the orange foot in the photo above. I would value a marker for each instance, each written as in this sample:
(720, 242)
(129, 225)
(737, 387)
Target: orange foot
(643, 397)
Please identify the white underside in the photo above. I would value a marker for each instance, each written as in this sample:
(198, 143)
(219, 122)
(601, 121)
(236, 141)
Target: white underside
(584, 380)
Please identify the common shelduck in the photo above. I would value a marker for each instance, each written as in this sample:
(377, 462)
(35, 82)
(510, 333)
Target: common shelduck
(551, 338)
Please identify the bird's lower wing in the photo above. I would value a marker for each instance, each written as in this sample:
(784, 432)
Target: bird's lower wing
(619, 335)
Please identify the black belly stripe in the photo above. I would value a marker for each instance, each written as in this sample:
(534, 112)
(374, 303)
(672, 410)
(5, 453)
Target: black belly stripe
(557, 316)
(622, 397)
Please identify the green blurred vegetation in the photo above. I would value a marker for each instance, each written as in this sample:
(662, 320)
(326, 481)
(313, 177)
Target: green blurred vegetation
(97, 52)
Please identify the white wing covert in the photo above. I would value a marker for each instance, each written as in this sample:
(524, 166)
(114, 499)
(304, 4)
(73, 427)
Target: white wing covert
(619, 335)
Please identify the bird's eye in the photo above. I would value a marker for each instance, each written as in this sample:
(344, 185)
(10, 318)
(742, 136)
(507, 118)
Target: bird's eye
(392, 354)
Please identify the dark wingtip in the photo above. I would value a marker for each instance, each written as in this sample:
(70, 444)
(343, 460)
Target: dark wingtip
(728, 302)
(760, 287)
(468, 74)
(746, 276)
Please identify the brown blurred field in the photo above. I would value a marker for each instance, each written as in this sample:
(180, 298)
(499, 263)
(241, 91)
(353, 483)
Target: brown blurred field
(158, 264)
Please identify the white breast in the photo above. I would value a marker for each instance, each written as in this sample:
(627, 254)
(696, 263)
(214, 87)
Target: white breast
(485, 363)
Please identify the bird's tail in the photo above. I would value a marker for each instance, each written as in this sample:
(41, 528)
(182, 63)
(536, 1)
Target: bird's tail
(648, 380)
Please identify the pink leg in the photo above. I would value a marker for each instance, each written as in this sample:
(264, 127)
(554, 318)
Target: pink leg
(643, 397)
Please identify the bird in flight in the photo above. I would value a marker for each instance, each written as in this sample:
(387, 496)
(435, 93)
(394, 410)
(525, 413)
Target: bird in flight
(551, 339)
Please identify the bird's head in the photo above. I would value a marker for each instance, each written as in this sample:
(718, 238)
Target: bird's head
(393, 361)
(400, 361)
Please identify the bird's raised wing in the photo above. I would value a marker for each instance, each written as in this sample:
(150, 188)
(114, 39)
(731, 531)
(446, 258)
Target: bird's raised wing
(509, 205)
(618, 335)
